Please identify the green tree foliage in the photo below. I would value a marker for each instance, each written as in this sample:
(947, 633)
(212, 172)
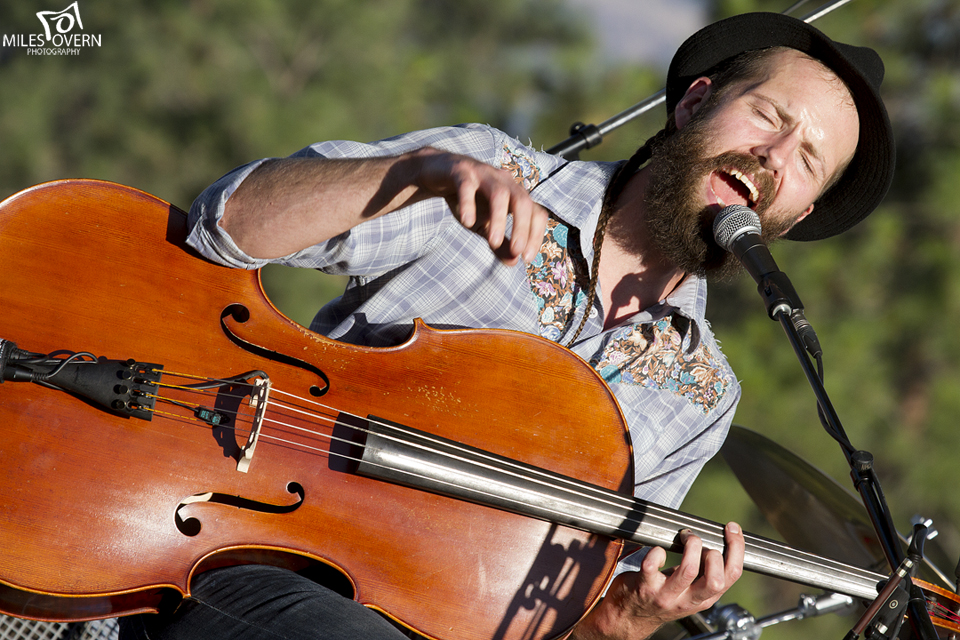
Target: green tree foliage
(180, 92)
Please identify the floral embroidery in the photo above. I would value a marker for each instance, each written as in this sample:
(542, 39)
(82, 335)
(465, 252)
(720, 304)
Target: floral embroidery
(525, 171)
(652, 356)
(554, 282)
(552, 273)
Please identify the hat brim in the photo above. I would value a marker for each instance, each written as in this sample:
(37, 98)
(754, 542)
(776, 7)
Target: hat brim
(870, 173)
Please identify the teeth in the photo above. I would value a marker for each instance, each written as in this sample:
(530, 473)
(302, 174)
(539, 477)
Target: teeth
(748, 183)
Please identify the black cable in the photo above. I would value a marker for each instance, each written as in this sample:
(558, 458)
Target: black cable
(44, 377)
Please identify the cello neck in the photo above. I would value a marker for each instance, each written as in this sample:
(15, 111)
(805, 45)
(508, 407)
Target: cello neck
(401, 455)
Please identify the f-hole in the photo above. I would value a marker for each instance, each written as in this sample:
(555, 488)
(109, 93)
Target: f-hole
(241, 314)
(190, 526)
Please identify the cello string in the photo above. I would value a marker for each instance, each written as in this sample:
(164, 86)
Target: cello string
(334, 422)
(525, 470)
(620, 514)
(609, 497)
(621, 502)
(946, 613)
(754, 544)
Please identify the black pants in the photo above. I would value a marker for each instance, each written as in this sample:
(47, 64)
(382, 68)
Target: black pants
(247, 602)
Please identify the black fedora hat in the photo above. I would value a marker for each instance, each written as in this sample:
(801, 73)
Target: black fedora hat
(869, 175)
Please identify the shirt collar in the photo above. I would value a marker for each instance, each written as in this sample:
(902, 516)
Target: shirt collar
(574, 194)
(690, 297)
(571, 194)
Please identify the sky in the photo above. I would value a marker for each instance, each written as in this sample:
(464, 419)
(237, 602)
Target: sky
(643, 30)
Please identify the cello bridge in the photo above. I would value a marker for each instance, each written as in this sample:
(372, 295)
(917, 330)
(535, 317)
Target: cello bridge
(259, 398)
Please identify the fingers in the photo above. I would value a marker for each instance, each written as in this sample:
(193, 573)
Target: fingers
(637, 603)
(529, 225)
(495, 198)
(680, 583)
(705, 574)
(652, 563)
(482, 197)
(733, 556)
(701, 576)
(693, 558)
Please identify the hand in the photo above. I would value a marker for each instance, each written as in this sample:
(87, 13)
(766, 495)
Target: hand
(638, 603)
(481, 197)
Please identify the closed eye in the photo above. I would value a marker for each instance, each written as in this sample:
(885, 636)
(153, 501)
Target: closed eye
(782, 116)
(764, 116)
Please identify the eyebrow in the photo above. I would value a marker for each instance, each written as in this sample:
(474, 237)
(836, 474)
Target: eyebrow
(805, 144)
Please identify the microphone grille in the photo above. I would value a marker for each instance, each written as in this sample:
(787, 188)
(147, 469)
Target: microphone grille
(732, 222)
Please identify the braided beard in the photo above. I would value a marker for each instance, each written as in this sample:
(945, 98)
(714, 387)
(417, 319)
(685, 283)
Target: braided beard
(680, 226)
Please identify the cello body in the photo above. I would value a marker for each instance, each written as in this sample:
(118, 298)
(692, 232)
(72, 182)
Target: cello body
(105, 514)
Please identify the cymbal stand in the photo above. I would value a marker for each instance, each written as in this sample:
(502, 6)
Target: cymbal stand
(736, 623)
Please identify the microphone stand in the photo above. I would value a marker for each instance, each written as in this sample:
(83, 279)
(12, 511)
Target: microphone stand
(587, 136)
(782, 302)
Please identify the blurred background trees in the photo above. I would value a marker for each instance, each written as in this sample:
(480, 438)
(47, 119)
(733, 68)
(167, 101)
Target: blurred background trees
(181, 92)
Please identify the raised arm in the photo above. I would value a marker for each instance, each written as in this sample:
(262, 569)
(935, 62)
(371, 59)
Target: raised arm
(289, 204)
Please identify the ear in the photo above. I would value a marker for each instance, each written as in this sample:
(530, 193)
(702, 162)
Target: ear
(697, 93)
(799, 218)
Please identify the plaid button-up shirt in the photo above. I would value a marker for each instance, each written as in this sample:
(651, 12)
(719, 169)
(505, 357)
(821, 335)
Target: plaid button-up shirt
(674, 386)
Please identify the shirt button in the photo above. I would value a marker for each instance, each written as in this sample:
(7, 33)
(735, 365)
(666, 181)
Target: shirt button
(594, 312)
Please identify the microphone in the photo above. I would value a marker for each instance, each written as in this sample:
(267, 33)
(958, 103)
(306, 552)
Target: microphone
(737, 229)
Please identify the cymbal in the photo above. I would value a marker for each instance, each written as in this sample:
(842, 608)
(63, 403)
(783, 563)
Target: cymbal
(808, 508)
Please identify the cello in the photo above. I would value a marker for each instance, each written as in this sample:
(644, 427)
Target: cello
(162, 418)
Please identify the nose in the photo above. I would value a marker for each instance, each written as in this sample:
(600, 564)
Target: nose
(776, 152)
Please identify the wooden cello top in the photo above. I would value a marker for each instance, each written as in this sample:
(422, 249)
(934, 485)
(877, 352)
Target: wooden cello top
(95, 504)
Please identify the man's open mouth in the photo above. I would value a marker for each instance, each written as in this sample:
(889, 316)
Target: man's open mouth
(732, 186)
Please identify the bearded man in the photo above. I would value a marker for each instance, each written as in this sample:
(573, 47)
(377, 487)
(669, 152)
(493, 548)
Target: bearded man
(466, 227)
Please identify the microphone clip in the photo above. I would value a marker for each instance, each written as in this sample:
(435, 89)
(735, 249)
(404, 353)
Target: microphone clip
(781, 298)
(778, 294)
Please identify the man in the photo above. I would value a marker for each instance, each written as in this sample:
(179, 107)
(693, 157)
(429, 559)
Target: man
(466, 227)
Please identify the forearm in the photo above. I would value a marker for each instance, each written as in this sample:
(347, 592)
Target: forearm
(289, 204)
(284, 206)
